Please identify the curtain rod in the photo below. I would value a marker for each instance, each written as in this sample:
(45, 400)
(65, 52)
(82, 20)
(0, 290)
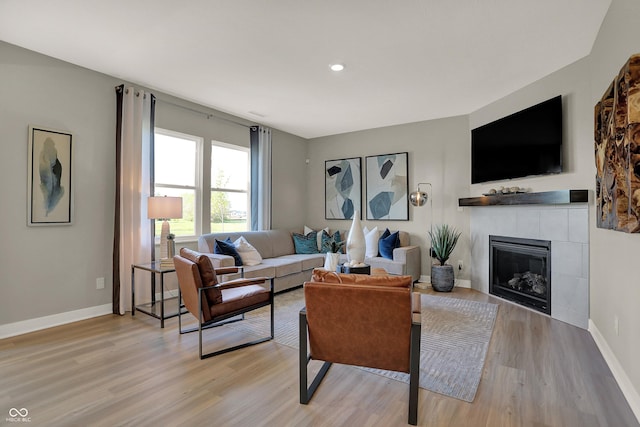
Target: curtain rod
(204, 113)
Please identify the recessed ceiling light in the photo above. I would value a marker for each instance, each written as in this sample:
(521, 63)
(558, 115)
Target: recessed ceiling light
(337, 67)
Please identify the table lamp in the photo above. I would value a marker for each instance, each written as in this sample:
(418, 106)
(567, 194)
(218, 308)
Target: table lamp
(164, 208)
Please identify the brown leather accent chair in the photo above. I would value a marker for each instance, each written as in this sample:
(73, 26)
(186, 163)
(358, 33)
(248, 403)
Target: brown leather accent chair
(215, 304)
(370, 321)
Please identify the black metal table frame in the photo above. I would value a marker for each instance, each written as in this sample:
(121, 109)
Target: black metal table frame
(154, 268)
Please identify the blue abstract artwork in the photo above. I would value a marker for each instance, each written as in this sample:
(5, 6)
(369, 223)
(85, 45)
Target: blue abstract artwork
(343, 188)
(49, 177)
(387, 185)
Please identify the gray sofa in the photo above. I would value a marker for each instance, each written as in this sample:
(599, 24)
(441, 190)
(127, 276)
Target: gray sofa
(279, 258)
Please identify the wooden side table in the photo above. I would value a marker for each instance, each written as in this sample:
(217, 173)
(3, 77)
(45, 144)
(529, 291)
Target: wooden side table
(153, 308)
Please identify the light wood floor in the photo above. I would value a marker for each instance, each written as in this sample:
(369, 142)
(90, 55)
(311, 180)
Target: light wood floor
(119, 370)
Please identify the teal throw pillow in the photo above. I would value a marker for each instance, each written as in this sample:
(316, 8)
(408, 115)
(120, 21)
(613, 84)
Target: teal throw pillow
(306, 244)
(388, 242)
(327, 239)
(226, 247)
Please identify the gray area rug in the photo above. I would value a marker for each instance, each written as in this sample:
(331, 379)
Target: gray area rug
(455, 339)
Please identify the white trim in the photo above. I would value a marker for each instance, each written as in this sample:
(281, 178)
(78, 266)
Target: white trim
(30, 325)
(628, 390)
(463, 283)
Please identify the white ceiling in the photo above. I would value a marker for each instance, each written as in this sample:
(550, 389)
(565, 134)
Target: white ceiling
(406, 60)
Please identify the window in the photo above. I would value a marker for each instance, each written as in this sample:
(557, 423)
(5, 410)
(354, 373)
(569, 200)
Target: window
(210, 203)
(176, 174)
(229, 188)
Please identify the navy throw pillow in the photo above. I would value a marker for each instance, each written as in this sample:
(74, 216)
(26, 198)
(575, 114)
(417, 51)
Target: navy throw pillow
(388, 242)
(306, 244)
(384, 235)
(226, 247)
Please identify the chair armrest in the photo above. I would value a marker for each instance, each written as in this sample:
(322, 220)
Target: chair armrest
(410, 257)
(416, 303)
(241, 282)
(416, 319)
(230, 270)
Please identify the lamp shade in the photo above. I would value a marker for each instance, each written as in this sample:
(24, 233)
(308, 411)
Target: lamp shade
(164, 207)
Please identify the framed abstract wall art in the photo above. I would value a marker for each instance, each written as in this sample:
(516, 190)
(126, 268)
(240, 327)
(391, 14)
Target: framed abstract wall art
(617, 151)
(49, 192)
(387, 187)
(342, 188)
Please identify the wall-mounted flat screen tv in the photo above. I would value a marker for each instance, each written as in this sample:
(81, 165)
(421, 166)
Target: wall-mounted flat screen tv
(525, 143)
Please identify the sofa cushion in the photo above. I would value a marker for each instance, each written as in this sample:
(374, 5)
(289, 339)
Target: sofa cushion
(226, 247)
(305, 243)
(269, 243)
(308, 261)
(207, 273)
(283, 266)
(388, 242)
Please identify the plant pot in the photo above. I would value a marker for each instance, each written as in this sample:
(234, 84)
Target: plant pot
(331, 261)
(442, 279)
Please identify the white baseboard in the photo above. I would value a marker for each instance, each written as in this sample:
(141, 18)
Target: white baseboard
(629, 391)
(461, 283)
(30, 325)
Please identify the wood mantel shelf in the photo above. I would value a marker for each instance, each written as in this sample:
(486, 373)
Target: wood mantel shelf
(559, 197)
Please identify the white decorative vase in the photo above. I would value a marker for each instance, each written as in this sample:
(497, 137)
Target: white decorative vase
(355, 241)
(331, 261)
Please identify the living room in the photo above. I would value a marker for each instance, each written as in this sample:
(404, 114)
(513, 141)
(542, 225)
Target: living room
(50, 272)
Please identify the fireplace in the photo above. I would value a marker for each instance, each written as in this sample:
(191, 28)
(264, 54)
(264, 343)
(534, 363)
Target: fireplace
(520, 271)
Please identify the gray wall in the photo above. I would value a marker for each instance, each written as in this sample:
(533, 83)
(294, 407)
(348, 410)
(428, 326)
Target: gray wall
(47, 270)
(438, 153)
(52, 270)
(614, 255)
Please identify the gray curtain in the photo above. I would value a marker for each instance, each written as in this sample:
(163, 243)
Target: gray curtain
(260, 178)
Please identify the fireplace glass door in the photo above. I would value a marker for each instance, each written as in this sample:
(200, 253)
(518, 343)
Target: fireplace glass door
(520, 271)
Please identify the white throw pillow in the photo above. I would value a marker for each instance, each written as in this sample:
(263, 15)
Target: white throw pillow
(371, 242)
(308, 230)
(249, 254)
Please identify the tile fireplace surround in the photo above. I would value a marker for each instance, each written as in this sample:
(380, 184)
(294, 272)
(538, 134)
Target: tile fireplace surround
(565, 225)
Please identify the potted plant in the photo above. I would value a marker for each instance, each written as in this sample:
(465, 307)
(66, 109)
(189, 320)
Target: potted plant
(443, 241)
(333, 256)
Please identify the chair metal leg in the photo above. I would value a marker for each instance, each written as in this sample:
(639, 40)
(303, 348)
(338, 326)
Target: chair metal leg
(228, 349)
(307, 393)
(179, 310)
(271, 298)
(414, 373)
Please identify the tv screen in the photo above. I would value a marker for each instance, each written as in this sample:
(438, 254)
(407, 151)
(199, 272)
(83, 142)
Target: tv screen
(525, 143)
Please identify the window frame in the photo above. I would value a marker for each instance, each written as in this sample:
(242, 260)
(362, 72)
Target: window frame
(198, 182)
(247, 150)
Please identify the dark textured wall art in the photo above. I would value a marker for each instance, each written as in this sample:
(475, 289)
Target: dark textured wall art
(343, 188)
(49, 177)
(617, 151)
(387, 187)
